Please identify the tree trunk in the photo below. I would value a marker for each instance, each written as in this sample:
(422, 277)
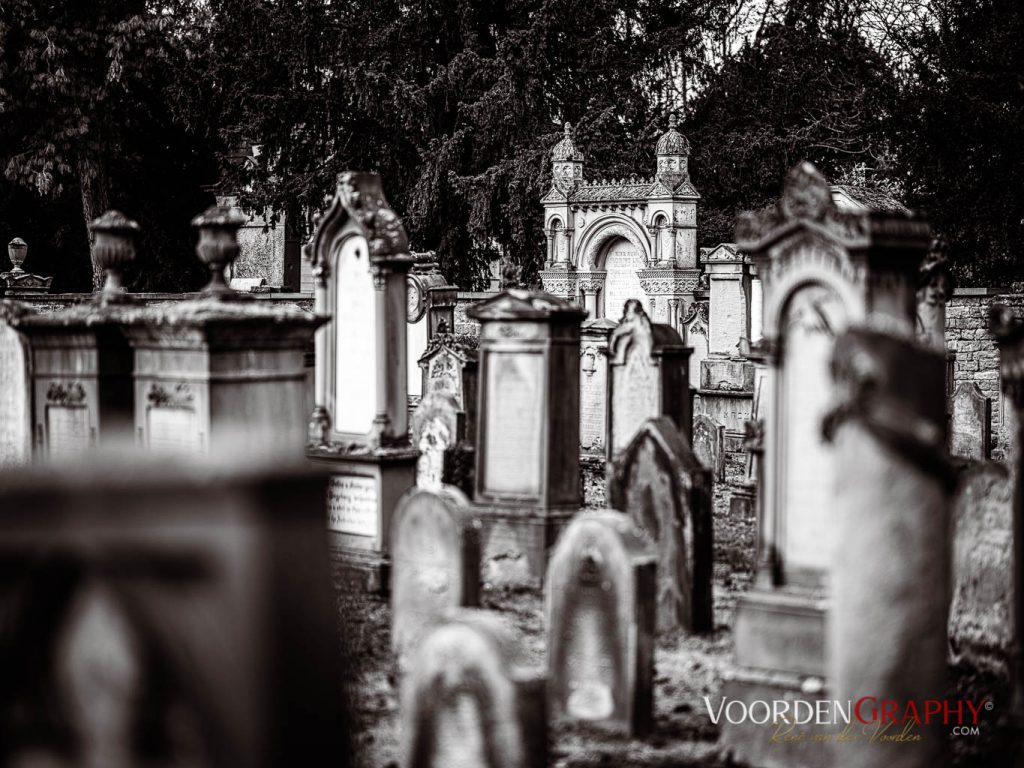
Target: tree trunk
(95, 186)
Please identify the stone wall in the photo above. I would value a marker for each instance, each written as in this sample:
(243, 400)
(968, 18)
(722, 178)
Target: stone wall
(466, 299)
(977, 359)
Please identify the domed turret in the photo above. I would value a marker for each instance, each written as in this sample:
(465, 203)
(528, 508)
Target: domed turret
(673, 150)
(566, 161)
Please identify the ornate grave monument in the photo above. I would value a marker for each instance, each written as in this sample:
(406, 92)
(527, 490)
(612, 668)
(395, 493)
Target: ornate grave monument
(435, 546)
(600, 617)
(431, 311)
(469, 701)
(81, 360)
(17, 282)
(823, 271)
(887, 634)
(360, 423)
(527, 458)
(647, 377)
(223, 370)
(658, 481)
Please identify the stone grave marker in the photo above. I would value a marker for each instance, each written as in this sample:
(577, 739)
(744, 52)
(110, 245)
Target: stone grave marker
(647, 377)
(600, 616)
(709, 444)
(435, 550)
(186, 602)
(666, 491)
(971, 427)
(594, 384)
(15, 391)
(469, 701)
(436, 428)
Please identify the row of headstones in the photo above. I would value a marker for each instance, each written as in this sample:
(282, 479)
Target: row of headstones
(613, 580)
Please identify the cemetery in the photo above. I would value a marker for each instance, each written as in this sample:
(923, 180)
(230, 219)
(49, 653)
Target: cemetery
(380, 521)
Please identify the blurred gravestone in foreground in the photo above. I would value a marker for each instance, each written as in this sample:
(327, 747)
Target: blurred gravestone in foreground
(167, 614)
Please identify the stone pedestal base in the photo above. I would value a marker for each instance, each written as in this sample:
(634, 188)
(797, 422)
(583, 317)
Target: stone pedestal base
(515, 543)
(764, 746)
(742, 503)
(780, 650)
(362, 492)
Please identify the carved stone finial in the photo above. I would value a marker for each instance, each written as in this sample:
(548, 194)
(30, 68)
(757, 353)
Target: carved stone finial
(567, 127)
(218, 246)
(113, 249)
(17, 249)
(806, 194)
(671, 121)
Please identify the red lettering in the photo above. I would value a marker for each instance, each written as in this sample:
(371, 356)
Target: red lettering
(975, 710)
(910, 713)
(889, 710)
(946, 710)
(932, 707)
(856, 710)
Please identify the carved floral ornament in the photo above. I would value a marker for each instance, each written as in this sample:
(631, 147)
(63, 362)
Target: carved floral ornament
(177, 396)
(65, 394)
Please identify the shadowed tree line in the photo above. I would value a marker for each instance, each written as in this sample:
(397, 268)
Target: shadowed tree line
(152, 105)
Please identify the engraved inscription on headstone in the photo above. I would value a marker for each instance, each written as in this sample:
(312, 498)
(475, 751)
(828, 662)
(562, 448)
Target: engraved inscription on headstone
(67, 430)
(600, 613)
(15, 401)
(971, 423)
(514, 423)
(173, 429)
(635, 396)
(352, 502)
(355, 316)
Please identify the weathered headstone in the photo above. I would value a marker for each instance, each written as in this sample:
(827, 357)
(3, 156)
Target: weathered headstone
(601, 618)
(709, 444)
(431, 311)
(15, 390)
(436, 428)
(594, 384)
(823, 270)
(468, 701)
(971, 425)
(359, 428)
(888, 635)
(527, 479)
(171, 613)
(647, 377)
(435, 561)
(666, 491)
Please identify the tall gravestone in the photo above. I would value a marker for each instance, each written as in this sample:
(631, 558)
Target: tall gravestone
(359, 429)
(887, 634)
(469, 701)
(647, 377)
(15, 389)
(971, 422)
(709, 444)
(435, 546)
(224, 370)
(431, 311)
(666, 491)
(168, 612)
(823, 270)
(594, 384)
(601, 619)
(527, 480)
(81, 359)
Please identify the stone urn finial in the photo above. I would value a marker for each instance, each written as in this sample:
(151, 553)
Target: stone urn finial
(113, 249)
(17, 249)
(218, 246)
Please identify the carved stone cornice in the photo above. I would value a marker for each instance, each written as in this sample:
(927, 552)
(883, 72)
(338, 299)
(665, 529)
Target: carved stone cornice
(668, 280)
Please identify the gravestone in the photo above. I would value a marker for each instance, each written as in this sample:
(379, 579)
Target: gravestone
(359, 429)
(431, 311)
(647, 377)
(594, 384)
(666, 491)
(468, 700)
(172, 612)
(823, 270)
(971, 426)
(601, 616)
(527, 480)
(436, 429)
(709, 445)
(888, 636)
(15, 390)
(435, 561)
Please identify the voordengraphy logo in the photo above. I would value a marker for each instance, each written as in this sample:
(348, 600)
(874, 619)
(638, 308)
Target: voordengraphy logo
(887, 719)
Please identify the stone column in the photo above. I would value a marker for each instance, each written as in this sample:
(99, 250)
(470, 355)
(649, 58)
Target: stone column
(567, 235)
(891, 572)
(1009, 333)
(552, 247)
(756, 305)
